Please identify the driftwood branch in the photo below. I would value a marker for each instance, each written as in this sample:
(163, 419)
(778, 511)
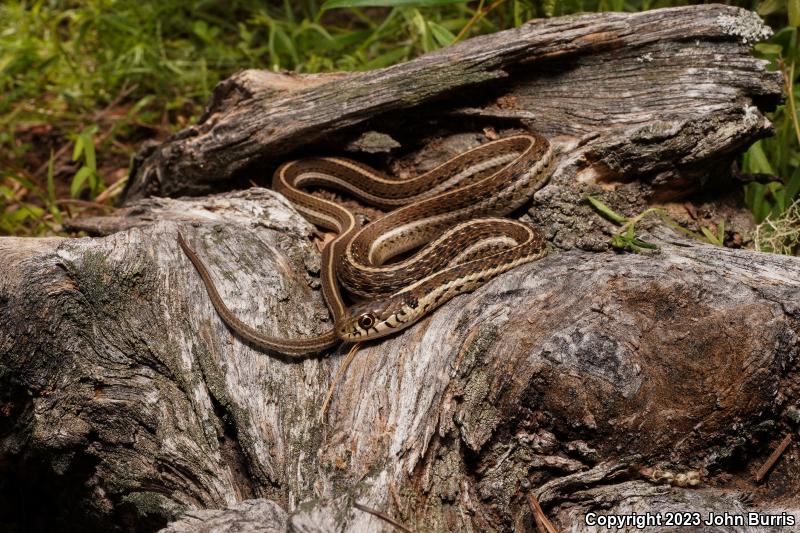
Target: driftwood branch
(594, 381)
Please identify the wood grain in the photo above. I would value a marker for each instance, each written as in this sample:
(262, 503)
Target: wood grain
(665, 95)
(677, 360)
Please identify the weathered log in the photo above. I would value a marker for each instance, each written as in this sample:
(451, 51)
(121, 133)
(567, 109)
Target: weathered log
(683, 360)
(668, 96)
(587, 379)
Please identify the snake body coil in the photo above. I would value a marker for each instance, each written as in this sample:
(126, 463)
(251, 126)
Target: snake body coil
(440, 211)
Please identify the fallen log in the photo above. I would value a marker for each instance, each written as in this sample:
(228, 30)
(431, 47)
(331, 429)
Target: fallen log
(683, 361)
(595, 381)
(667, 96)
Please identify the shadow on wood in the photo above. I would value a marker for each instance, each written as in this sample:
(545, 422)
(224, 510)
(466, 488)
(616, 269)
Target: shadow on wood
(597, 382)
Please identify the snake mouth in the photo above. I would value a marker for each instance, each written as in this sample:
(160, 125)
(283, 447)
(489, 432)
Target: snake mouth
(430, 213)
(351, 331)
(375, 320)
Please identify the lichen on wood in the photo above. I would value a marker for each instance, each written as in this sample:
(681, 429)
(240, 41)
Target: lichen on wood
(576, 378)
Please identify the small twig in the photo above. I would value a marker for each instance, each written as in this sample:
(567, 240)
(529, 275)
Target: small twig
(542, 522)
(112, 190)
(84, 203)
(350, 355)
(124, 92)
(479, 14)
(773, 458)
(382, 516)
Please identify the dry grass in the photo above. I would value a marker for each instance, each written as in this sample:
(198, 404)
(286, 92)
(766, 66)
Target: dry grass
(780, 235)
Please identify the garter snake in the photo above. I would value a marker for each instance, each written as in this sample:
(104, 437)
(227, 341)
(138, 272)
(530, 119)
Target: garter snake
(451, 212)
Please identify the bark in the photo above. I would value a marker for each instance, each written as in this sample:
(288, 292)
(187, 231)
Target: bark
(666, 96)
(118, 372)
(598, 382)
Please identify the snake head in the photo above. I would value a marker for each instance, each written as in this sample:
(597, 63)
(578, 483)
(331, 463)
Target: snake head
(373, 320)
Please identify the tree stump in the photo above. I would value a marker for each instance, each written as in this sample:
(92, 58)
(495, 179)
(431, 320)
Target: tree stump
(596, 382)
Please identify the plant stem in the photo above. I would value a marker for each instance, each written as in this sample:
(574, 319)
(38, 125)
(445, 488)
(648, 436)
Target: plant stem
(789, 76)
(479, 14)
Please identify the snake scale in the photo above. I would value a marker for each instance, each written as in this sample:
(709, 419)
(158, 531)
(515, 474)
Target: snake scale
(450, 213)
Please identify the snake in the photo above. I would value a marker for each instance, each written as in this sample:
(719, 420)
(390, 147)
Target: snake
(450, 217)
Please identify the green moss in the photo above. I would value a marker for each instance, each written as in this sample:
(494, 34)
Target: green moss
(111, 289)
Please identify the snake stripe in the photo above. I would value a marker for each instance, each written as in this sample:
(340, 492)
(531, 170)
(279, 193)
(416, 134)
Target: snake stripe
(249, 334)
(439, 213)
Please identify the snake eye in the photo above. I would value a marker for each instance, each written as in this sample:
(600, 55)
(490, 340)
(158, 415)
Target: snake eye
(366, 321)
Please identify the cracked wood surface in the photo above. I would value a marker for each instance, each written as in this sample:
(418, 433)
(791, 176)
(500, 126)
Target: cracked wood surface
(665, 95)
(681, 360)
(573, 376)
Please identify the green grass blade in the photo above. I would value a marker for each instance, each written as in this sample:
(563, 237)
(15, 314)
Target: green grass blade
(768, 7)
(755, 200)
(794, 12)
(90, 160)
(307, 27)
(639, 243)
(757, 161)
(287, 44)
(777, 191)
(769, 49)
(618, 242)
(79, 181)
(709, 235)
(78, 149)
(606, 211)
(630, 232)
(765, 210)
(333, 4)
(389, 58)
(750, 191)
(443, 36)
(51, 186)
(793, 186)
